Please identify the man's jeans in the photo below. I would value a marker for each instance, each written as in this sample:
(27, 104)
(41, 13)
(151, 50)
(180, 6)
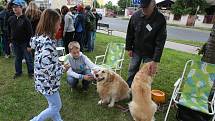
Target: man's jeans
(53, 111)
(91, 36)
(20, 51)
(134, 66)
(6, 43)
(73, 82)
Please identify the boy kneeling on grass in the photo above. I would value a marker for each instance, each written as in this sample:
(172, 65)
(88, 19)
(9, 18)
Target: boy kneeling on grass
(81, 67)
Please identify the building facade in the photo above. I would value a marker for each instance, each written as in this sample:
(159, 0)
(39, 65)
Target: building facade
(59, 3)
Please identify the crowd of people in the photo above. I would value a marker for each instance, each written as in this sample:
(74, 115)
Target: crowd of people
(33, 34)
(18, 24)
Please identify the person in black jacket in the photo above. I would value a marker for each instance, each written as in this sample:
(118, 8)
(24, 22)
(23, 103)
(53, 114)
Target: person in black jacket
(4, 16)
(80, 26)
(146, 36)
(20, 32)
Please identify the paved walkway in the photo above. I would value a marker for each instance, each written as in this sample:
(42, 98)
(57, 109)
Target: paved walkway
(168, 44)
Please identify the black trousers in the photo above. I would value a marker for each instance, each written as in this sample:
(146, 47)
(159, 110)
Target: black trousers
(67, 39)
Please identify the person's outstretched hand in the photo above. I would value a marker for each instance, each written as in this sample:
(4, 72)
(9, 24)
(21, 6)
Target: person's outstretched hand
(66, 66)
(130, 53)
(88, 77)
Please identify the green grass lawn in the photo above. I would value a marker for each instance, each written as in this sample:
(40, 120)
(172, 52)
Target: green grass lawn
(189, 42)
(19, 101)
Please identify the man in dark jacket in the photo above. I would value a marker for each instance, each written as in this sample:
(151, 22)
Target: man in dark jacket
(90, 28)
(146, 36)
(20, 32)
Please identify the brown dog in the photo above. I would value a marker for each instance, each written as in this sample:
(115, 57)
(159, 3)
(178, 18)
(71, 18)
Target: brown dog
(111, 87)
(142, 107)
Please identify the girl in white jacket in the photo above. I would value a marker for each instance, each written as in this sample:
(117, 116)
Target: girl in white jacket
(47, 69)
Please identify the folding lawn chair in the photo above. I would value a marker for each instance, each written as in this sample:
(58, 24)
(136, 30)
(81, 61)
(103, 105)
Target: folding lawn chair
(194, 95)
(113, 57)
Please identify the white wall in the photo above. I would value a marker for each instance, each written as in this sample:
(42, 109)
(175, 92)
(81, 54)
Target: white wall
(183, 21)
(101, 10)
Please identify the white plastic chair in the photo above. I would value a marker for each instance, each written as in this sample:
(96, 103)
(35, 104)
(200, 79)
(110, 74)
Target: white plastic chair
(61, 53)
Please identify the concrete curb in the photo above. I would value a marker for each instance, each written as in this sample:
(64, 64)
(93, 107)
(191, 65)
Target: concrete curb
(168, 44)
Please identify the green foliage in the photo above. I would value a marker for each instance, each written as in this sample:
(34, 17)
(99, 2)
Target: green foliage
(124, 3)
(182, 7)
(97, 5)
(2, 3)
(109, 5)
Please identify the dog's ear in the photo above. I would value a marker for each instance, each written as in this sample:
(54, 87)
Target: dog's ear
(111, 76)
(145, 69)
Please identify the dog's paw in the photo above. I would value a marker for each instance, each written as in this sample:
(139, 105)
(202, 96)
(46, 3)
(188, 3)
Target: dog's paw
(110, 105)
(100, 102)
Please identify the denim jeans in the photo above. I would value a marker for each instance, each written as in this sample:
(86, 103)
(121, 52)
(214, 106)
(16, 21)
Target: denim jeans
(91, 36)
(53, 111)
(20, 51)
(73, 82)
(134, 66)
(6, 43)
(93, 40)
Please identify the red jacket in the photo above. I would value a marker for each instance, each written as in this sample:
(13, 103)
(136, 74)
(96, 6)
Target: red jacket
(59, 34)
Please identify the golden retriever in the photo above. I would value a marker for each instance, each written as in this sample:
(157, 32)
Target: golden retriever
(142, 108)
(111, 87)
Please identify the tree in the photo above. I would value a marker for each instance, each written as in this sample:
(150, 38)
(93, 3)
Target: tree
(116, 8)
(183, 7)
(124, 3)
(96, 4)
(3, 2)
(109, 5)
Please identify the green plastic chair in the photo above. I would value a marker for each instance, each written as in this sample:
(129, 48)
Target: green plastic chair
(113, 57)
(196, 88)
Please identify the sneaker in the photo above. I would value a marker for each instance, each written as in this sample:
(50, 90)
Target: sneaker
(85, 90)
(17, 76)
(6, 56)
(23, 61)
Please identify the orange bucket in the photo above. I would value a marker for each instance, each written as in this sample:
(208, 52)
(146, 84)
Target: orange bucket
(158, 96)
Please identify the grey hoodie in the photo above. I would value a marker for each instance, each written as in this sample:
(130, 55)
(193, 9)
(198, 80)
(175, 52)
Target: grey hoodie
(69, 23)
(80, 64)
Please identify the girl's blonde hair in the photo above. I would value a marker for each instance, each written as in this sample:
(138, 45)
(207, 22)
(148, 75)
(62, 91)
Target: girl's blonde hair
(32, 11)
(47, 23)
(74, 44)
